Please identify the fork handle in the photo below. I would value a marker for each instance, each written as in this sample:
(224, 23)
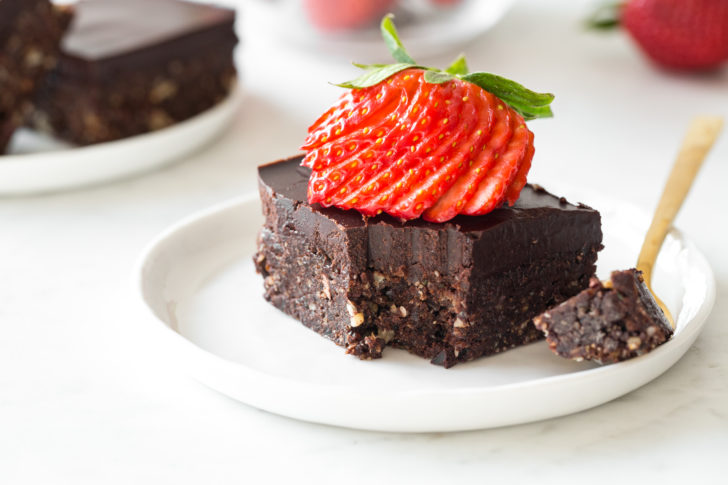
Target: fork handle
(701, 135)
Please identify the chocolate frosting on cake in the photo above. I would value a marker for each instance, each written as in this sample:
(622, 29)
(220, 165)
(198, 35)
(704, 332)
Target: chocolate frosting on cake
(565, 229)
(108, 34)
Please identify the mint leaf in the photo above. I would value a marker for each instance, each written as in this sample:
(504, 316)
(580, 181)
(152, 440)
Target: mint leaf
(375, 76)
(391, 38)
(458, 66)
(438, 77)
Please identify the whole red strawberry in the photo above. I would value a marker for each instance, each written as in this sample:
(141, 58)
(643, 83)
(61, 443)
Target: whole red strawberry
(412, 141)
(680, 34)
(331, 15)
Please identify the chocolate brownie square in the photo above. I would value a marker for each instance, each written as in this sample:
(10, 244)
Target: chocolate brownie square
(449, 292)
(135, 66)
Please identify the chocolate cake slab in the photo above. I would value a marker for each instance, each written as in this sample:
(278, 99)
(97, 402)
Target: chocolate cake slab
(30, 33)
(448, 292)
(608, 322)
(136, 66)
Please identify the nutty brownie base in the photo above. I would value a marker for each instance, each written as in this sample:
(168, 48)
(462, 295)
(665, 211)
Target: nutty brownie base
(367, 311)
(88, 112)
(30, 33)
(606, 323)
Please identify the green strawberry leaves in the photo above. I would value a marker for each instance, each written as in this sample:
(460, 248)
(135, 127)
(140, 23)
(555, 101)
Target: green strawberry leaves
(391, 38)
(374, 74)
(527, 103)
(459, 66)
(438, 77)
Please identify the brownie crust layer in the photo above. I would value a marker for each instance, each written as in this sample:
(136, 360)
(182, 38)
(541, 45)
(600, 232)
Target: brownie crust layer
(448, 292)
(30, 33)
(607, 323)
(137, 66)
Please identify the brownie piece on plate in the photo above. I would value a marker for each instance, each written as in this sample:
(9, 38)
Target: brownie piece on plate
(607, 322)
(134, 66)
(448, 292)
(30, 32)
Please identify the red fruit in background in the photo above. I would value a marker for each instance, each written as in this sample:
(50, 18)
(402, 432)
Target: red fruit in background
(680, 34)
(412, 148)
(331, 15)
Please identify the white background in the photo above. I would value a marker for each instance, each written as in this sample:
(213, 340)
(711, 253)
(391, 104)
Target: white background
(85, 396)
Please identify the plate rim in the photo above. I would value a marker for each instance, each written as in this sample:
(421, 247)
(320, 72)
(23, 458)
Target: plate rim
(672, 351)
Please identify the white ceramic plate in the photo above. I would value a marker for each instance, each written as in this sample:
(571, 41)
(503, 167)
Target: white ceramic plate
(197, 280)
(37, 163)
(425, 31)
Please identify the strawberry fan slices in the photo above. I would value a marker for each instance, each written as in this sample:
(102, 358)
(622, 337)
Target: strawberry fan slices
(413, 141)
(409, 222)
(412, 148)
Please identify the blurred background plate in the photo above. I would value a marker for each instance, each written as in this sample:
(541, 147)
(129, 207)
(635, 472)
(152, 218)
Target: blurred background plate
(37, 163)
(425, 28)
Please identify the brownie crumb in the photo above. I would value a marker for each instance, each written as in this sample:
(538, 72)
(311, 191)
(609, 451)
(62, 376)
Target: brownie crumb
(606, 323)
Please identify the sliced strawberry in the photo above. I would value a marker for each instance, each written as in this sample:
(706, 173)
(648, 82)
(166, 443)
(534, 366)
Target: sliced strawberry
(430, 150)
(452, 159)
(346, 140)
(491, 191)
(452, 201)
(363, 110)
(412, 141)
(368, 146)
(398, 149)
(400, 144)
(408, 147)
(520, 181)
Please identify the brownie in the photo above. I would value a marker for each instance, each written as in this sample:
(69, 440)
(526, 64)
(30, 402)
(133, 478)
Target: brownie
(7, 127)
(448, 292)
(607, 322)
(30, 33)
(134, 66)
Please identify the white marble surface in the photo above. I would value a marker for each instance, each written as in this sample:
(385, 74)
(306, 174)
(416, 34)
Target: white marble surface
(85, 397)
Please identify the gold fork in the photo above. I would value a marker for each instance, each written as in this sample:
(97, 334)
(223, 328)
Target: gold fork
(701, 134)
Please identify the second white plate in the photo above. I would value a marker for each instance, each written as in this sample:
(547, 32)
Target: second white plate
(205, 304)
(40, 164)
